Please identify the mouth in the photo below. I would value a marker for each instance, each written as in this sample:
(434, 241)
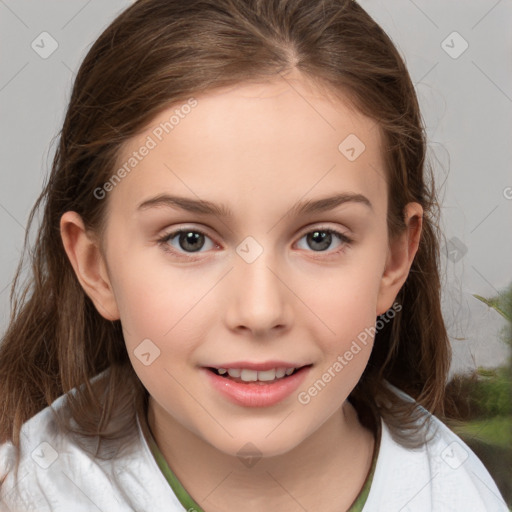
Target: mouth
(246, 375)
(251, 384)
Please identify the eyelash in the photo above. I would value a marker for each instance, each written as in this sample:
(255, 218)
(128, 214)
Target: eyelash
(169, 236)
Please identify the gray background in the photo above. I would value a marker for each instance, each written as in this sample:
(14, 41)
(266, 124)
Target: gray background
(466, 100)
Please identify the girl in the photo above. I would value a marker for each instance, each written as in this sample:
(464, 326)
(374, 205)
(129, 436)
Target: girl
(235, 302)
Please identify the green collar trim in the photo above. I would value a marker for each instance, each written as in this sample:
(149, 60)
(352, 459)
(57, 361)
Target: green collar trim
(182, 495)
(189, 504)
(360, 501)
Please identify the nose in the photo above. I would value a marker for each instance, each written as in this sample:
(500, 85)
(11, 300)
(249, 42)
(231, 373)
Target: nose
(258, 297)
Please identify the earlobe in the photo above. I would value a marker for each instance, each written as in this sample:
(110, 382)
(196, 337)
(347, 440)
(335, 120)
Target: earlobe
(88, 263)
(401, 253)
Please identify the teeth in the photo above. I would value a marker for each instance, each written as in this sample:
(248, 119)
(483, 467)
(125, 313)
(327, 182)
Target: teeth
(267, 375)
(280, 373)
(247, 375)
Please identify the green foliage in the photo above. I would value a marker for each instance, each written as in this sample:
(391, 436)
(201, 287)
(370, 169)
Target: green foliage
(493, 395)
(502, 303)
(495, 431)
(483, 401)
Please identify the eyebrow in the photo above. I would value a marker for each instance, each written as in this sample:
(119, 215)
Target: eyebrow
(221, 210)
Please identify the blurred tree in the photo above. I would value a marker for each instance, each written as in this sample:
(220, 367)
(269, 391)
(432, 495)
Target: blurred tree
(478, 406)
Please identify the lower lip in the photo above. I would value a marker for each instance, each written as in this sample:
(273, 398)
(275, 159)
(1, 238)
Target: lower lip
(255, 394)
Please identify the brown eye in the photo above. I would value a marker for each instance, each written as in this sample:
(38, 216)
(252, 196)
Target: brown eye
(185, 241)
(319, 240)
(190, 241)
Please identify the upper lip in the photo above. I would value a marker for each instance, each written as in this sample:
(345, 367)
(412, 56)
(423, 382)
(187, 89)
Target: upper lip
(267, 365)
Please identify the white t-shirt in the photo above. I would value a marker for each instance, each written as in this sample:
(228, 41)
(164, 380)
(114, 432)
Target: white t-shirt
(56, 475)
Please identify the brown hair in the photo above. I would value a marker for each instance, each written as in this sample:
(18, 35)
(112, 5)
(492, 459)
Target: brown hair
(158, 53)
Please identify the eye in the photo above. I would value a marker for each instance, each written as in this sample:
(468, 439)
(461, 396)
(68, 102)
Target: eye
(321, 239)
(192, 240)
(187, 239)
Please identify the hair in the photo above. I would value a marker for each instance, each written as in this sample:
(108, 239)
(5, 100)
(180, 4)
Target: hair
(158, 53)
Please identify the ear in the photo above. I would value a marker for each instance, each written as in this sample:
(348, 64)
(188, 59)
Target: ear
(88, 263)
(401, 252)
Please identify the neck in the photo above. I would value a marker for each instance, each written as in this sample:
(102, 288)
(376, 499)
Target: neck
(324, 472)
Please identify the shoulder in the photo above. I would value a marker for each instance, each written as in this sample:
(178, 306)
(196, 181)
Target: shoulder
(443, 474)
(57, 473)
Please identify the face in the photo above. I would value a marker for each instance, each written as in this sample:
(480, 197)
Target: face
(275, 280)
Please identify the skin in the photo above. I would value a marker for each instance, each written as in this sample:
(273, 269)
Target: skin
(266, 146)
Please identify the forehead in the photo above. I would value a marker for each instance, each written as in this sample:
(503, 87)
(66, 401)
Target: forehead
(255, 144)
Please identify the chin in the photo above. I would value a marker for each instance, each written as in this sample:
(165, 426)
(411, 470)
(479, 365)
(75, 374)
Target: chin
(255, 443)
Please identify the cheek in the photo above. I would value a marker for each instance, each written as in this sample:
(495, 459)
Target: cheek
(151, 299)
(161, 333)
(345, 303)
(164, 316)
(345, 341)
